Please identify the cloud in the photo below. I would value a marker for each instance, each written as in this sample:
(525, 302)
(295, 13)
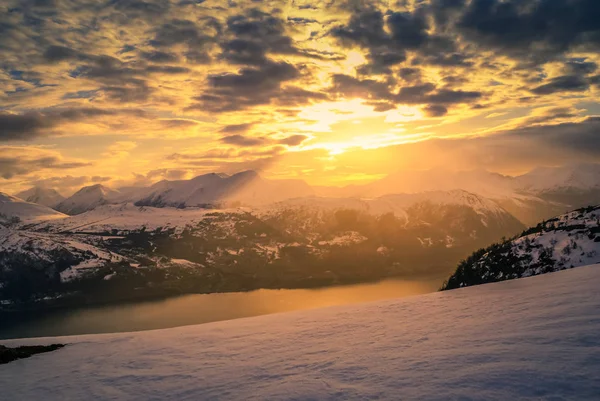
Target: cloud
(293, 140)
(538, 32)
(565, 83)
(237, 127)
(252, 141)
(241, 140)
(28, 126)
(435, 110)
(254, 86)
(17, 161)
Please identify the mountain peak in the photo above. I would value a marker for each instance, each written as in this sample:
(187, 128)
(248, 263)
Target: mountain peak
(41, 195)
(87, 198)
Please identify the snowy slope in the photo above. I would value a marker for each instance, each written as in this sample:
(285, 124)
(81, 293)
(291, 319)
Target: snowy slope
(43, 196)
(530, 339)
(87, 198)
(128, 217)
(13, 209)
(567, 241)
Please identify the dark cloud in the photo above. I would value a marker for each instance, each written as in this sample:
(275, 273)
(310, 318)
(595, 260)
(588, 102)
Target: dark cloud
(250, 141)
(577, 67)
(348, 86)
(242, 140)
(537, 31)
(256, 35)
(366, 29)
(178, 123)
(237, 128)
(428, 94)
(581, 137)
(128, 10)
(198, 37)
(293, 140)
(390, 37)
(157, 56)
(435, 110)
(565, 83)
(55, 54)
(14, 162)
(167, 69)
(253, 86)
(449, 96)
(27, 126)
(22, 126)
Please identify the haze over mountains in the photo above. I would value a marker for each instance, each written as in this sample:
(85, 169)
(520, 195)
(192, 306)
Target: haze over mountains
(539, 194)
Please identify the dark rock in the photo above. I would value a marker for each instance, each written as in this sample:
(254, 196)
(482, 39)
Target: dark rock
(12, 354)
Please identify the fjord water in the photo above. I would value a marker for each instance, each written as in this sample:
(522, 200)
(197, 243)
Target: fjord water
(203, 308)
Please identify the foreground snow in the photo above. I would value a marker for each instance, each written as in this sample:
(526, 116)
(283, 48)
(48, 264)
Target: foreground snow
(535, 338)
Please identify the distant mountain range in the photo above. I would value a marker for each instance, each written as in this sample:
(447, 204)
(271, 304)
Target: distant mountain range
(531, 197)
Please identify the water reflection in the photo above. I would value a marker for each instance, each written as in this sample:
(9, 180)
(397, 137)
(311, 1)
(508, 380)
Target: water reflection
(203, 308)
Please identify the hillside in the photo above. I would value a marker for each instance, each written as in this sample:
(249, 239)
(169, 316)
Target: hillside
(564, 242)
(141, 251)
(530, 339)
(14, 210)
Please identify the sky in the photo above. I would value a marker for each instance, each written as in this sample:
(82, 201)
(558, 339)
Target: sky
(131, 92)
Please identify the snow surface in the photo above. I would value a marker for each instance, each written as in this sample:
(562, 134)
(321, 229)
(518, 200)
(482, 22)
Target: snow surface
(13, 207)
(125, 217)
(534, 339)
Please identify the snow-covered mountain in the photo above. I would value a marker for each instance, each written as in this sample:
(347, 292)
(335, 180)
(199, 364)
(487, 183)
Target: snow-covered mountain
(564, 242)
(43, 196)
(246, 187)
(542, 193)
(88, 198)
(531, 339)
(15, 210)
(402, 205)
(582, 177)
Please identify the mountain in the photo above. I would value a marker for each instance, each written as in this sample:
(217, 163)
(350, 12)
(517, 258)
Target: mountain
(43, 196)
(246, 187)
(15, 210)
(87, 198)
(567, 241)
(147, 252)
(583, 177)
(542, 193)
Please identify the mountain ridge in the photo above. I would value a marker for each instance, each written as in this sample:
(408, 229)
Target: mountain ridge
(563, 242)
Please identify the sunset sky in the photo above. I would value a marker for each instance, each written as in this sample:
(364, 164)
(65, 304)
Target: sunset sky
(130, 92)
